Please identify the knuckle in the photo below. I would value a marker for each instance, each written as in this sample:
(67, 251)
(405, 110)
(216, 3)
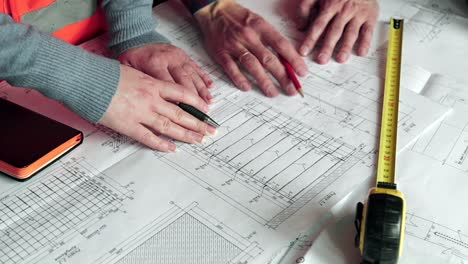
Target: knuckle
(248, 59)
(201, 127)
(153, 56)
(349, 8)
(256, 22)
(165, 125)
(150, 139)
(179, 114)
(268, 60)
(146, 137)
(187, 135)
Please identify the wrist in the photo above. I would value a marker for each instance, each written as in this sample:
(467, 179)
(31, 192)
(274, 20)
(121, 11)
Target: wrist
(212, 10)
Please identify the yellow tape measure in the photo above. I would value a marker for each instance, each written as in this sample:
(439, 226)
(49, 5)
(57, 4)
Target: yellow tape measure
(381, 221)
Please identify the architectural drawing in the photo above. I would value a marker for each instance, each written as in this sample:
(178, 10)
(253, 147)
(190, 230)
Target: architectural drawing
(184, 235)
(279, 162)
(274, 167)
(449, 241)
(43, 213)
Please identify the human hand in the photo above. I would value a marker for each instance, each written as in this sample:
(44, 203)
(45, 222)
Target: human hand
(169, 63)
(235, 34)
(143, 106)
(335, 19)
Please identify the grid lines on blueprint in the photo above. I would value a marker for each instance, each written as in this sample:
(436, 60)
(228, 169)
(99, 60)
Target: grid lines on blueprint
(35, 218)
(281, 162)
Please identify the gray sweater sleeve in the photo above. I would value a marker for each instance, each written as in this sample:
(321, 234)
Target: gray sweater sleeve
(131, 24)
(83, 81)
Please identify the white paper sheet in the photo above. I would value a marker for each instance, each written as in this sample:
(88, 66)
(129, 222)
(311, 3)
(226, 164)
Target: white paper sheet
(432, 173)
(274, 169)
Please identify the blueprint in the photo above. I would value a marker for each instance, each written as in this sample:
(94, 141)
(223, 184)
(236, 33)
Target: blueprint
(432, 172)
(275, 168)
(432, 175)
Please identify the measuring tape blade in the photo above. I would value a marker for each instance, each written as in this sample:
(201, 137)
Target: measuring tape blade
(380, 222)
(388, 132)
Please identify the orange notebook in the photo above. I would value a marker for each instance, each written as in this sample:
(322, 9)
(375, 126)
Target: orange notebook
(30, 141)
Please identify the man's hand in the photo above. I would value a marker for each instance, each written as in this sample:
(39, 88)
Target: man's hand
(335, 19)
(169, 63)
(143, 107)
(234, 34)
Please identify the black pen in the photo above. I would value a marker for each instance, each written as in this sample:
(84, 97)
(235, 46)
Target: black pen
(198, 114)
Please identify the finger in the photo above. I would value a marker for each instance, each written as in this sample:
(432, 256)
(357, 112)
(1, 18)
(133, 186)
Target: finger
(283, 47)
(367, 31)
(232, 70)
(162, 75)
(208, 81)
(303, 12)
(253, 66)
(316, 30)
(199, 84)
(182, 77)
(350, 36)
(275, 67)
(165, 126)
(182, 118)
(176, 93)
(148, 138)
(331, 38)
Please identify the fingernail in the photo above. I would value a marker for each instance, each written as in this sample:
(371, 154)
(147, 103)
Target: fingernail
(209, 98)
(342, 56)
(205, 108)
(291, 90)
(304, 50)
(171, 147)
(211, 130)
(322, 58)
(210, 84)
(303, 72)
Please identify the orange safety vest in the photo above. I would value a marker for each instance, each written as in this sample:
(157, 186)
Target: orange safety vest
(68, 26)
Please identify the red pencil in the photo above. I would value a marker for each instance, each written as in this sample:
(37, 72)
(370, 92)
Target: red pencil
(292, 76)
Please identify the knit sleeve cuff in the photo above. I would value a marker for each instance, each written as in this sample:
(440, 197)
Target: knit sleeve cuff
(132, 28)
(83, 81)
(148, 38)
